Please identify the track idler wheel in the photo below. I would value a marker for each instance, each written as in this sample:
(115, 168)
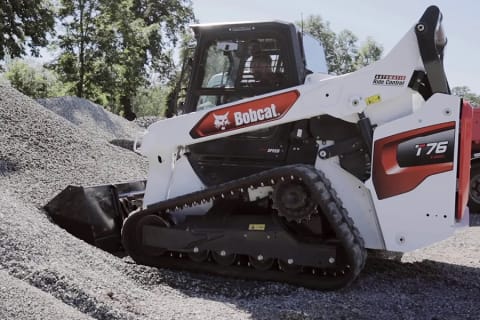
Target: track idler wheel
(293, 201)
(132, 235)
(152, 220)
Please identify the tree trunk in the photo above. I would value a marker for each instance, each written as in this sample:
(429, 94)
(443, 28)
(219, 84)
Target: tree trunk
(126, 103)
(81, 56)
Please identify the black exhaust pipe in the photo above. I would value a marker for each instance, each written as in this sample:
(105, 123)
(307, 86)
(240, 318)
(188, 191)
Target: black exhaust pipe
(95, 214)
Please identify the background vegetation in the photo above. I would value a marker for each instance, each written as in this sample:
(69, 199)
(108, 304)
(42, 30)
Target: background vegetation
(120, 53)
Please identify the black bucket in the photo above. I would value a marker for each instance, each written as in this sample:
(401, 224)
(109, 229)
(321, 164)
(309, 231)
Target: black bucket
(95, 214)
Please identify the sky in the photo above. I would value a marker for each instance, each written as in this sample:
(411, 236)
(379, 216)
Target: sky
(385, 21)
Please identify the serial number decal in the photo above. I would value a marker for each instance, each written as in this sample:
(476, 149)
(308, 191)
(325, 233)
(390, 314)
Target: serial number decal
(245, 114)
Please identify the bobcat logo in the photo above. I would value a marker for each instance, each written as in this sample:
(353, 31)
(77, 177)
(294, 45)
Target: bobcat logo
(221, 121)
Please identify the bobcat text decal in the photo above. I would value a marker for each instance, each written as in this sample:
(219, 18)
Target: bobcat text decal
(245, 114)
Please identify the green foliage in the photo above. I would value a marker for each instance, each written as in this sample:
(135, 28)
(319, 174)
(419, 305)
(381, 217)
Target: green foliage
(35, 82)
(346, 52)
(341, 50)
(24, 23)
(466, 94)
(151, 101)
(320, 29)
(77, 46)
(110, 48)
(369, 52)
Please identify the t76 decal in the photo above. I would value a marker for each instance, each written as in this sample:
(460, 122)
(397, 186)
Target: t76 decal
(245, 114)
(402, 161)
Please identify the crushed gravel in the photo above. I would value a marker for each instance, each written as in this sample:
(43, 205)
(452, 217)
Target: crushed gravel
(45, 273)
(91, 117)
(19, 300)
(146, 121)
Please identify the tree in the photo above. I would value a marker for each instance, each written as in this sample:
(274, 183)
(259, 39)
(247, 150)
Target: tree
(24, 23)
(149, 31)
(33, 81)
(78, 45)
(465, 93)
(346, 52)
(320, 30)
(110, 48)
(369, 52)
(341, 50)
(151, 101)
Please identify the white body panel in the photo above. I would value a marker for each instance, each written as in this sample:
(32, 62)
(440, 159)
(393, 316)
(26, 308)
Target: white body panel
(392, 106)
(176, 180)
(425, 214)
(357, 199)
(341, 96)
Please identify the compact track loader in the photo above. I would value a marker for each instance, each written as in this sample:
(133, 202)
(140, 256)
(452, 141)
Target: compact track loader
(294, 178)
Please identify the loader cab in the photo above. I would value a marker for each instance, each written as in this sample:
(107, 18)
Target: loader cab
(223, 67)
(237, 61)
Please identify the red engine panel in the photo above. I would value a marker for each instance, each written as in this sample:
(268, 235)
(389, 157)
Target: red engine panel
(475, 128)
(391, 179)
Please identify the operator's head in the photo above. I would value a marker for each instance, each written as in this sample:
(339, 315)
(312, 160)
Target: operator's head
(261, 66)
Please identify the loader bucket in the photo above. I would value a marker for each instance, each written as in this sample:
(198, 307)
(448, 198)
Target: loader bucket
(95, 214)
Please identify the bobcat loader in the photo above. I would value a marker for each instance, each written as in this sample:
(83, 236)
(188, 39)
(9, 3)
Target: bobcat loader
(295, 180)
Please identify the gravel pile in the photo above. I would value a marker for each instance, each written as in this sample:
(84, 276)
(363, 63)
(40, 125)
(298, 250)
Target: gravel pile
(145, 122)
(93, 118)
(45, 273)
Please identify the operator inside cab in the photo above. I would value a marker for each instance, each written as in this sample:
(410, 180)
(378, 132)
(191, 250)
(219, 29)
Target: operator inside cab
(223, 68)
(237, 69)
(261, 68)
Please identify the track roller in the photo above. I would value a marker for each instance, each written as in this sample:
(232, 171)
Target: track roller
(261, 263)
(198, 255)
(223, 258)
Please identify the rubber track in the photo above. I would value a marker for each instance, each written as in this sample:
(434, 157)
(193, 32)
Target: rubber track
(321, 190)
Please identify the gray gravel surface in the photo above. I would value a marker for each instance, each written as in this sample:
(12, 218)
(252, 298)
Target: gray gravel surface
(46, 273)
(144, 122)
(19, 300)
(92, 117)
